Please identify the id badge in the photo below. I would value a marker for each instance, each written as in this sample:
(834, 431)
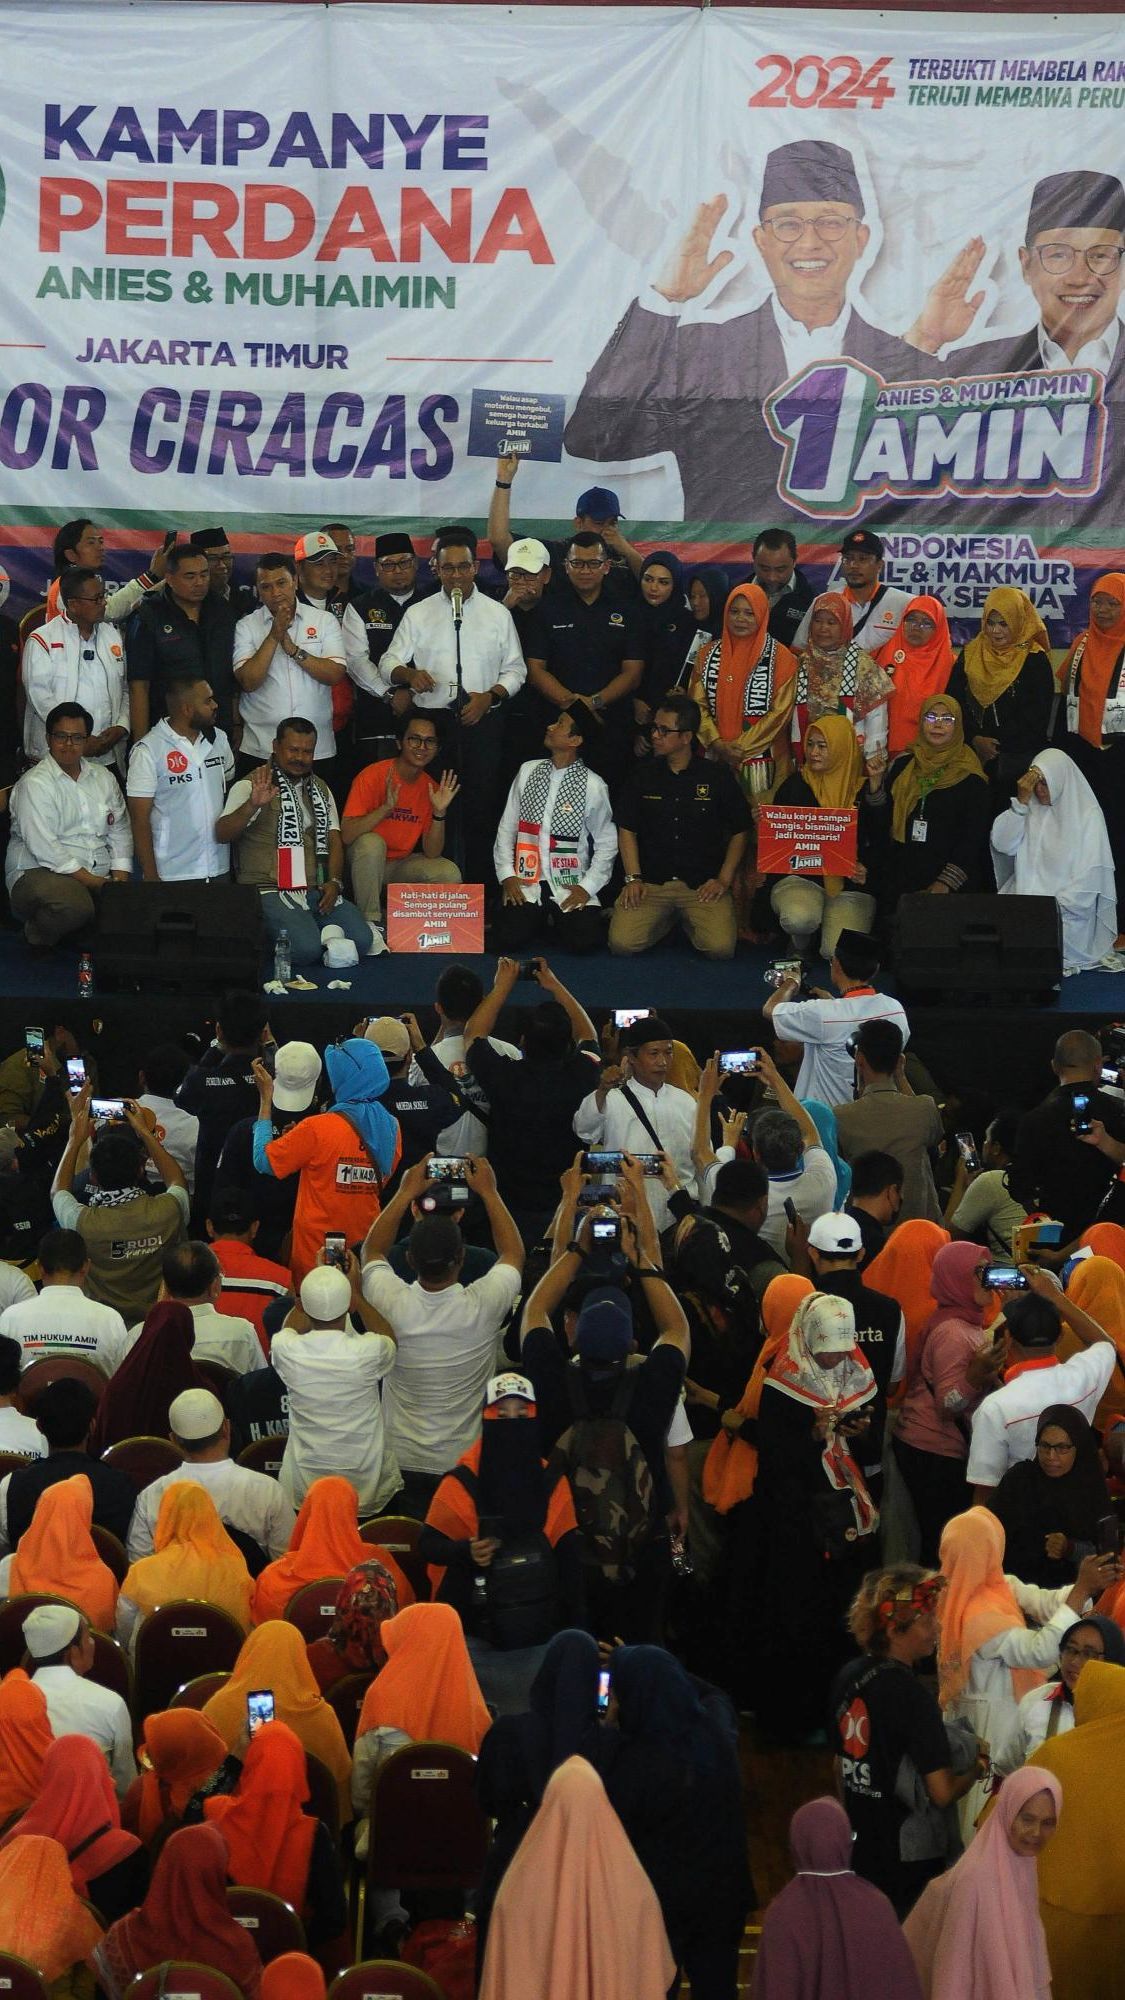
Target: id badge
(919, 831)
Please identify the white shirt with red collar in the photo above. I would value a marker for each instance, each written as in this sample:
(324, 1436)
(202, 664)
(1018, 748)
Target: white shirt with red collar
(60, 665)
(1004, 1424)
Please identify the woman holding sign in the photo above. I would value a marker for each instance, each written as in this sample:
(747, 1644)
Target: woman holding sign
(832, 779)
(745, 683)
(939, 808)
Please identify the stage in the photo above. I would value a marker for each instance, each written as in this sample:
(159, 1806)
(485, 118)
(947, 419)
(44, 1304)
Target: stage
(1002, 1048)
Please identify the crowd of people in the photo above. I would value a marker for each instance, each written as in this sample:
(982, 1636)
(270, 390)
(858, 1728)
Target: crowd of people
(608, 1403)
(590, 732)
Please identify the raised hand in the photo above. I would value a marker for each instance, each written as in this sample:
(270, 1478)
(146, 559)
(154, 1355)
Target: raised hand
(691, 267)
(949, 311)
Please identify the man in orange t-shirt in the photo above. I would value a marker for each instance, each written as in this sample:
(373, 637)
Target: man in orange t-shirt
(391, 808)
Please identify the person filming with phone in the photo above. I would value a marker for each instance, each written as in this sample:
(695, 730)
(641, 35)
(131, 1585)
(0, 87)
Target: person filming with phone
(1036, 1311)
(635, 1110)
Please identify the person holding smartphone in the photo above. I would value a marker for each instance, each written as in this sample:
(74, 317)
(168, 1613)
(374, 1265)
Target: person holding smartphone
(1004, 1426)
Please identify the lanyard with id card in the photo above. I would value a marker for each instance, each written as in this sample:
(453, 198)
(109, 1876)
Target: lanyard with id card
(919, 831)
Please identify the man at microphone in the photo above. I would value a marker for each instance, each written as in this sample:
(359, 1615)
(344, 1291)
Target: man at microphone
(422, 656)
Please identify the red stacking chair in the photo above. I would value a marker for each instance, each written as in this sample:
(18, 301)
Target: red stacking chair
(427, 1827)
(345, 1698)
(264, 1455)
(143, 1459)
(312, 1609)
(174, 1644)
(273, 1924)
(384, 1979)
(19, 1980)
(111, 1551)
(56, 1367)
(180, 1977)
(197, 1693)
(399, 1534)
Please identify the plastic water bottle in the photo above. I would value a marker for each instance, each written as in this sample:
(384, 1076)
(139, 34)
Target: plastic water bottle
(282, 959)
(85, 977)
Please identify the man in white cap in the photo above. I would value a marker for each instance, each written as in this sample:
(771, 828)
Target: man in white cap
(61, 1645)
(317, 557)
(835, 1255)
(248, 1503)
(333, 1376)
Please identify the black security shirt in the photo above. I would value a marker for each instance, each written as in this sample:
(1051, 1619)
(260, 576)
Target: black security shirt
(683, 820)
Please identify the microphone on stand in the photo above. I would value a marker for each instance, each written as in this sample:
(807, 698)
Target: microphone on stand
(456, 602)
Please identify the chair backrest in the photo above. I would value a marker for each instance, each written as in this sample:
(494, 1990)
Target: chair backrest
(112, 1668)
(427, 1827)
(217, 1376)
(324, 1798)
(53, 1368)
(174, 1644)
(12, 1614)
(345, 1698)
(11, 1461)
(180, 1976)
(274, 1925)
(384, 1979)
(19, 1980)
(143, 1459)
(264, 1455)
(399, 1535)
(197, 1693)
(312, 1609)
(111, 1550)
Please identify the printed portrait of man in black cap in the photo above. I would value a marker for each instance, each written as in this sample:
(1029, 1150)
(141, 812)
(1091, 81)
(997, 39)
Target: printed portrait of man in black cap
(213, 543)
(1071, 262)
(695, 386)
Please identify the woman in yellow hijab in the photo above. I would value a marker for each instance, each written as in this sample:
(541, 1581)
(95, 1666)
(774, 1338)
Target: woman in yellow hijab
(832, 777)
(275, 1657)
(193, 1557)
(1082, 1870)
(940, 811)
(1005, 684)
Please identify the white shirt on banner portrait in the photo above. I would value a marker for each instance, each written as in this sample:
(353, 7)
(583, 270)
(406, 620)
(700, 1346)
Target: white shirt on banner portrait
(557, 832)
(65, 824)
(187, 784)
(426, 638)
(60, 665)
(287, 689)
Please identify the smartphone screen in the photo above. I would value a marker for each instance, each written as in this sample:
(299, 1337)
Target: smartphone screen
(447, 1167)
(259, 1708)
(739, 1062)
(1080, 1120)
(602, 1163)
(336, 1249)
(75, 1072)
(1004, 1278)
(33, 1038)
(624, 1017)
(104, 1110)
(603, 1691)
(605, 1229)
(1109, 1535)
(966, 1146)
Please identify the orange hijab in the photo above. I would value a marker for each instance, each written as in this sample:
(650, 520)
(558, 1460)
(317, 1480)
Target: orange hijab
(269, 1838)
(41, 1918)
(1099, 657)
(903, 1268)
(275, 1656)
(1105, 1239)
(183, 1749)
(25, 1738)
(293, 1976)
(918, 671)
(1097, 1284)
(428, 1688)
(731, 1465)
(977, 1603)
(325, 1542)
(57, 1554)
(194, 1557)
(576, 1917)
(738, 659)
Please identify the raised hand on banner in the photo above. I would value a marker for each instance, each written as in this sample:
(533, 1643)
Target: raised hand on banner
(949, 311)
(691, 267)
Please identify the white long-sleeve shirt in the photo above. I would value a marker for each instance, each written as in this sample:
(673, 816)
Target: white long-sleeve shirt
(287, 688)
(77, 1707)
(65, 823)
(597, 840)
(670, 1111)
(490, 649)
(60, 665)
(356, 656)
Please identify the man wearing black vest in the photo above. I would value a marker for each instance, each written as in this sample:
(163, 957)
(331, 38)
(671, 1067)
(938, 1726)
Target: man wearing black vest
(835, 1254)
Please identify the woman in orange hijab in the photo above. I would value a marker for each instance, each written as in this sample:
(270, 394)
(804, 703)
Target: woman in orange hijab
(273, 1844)
(746, 683)
(1097, 1284)
(41, 1917)
(835, 676)
(919, 657)
(576, 1917)
(731, 1466)
(57, 1554)
(293, 1976)
(427, 1692)
(25, 1738)
(275, 1657)
(194, 1557)
(325, 1542)
(1090, 677)
(1105, 1239)
(902, 1268)
(182, 1755)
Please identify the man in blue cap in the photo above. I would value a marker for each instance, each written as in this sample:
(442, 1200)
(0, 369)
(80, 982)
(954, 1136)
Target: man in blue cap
(597, 511)
(670, 379)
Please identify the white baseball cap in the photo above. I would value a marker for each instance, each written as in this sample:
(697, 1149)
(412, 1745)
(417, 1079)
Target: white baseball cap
(528, 554)
(50, 1628)
(195, 1413)
(308, 547)
(508, 1385)
(326, 1293)
(389, 1035)
(296, 1074)
(836, 1235)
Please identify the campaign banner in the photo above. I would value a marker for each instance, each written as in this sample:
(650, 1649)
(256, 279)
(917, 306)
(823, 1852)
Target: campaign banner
(435, 917)
(279, 265)
(807, 840)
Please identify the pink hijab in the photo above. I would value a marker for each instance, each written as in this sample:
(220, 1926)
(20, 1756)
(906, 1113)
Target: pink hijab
(828, 1929)
(977, 1929)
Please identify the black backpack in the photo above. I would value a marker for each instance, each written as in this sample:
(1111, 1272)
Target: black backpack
(610, 1480)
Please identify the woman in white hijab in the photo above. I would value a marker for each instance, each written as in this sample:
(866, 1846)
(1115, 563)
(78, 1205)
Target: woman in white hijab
(1052, 841)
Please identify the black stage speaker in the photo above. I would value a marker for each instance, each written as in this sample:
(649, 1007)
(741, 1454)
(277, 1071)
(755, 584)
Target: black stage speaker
(189, 935)
(978, 944)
